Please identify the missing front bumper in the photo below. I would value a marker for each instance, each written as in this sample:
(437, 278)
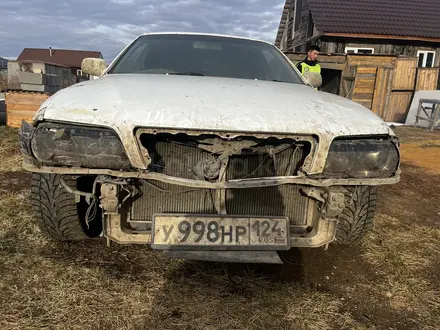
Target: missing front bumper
(322, 234)
(230, 184)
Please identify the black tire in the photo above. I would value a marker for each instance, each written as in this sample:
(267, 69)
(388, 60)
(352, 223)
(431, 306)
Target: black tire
(2, 113)
(356, 220)
(3, 119)
(58, 215)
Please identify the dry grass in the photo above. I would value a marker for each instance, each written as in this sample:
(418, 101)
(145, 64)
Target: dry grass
(404, 258)
(89, 286)
(415, 134)
(389, 283)
(422, 154)
(10, 158)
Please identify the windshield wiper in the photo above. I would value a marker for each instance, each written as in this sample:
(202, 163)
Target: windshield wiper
(189, 73)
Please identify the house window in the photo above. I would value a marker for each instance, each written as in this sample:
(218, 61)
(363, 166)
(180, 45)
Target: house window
(79, 72)
(426, 58)
(359, 50)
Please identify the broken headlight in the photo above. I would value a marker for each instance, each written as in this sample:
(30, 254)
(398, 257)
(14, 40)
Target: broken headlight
(76, 146)
(363, 158)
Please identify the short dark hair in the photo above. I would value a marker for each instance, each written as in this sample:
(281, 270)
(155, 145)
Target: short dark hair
(314, 48)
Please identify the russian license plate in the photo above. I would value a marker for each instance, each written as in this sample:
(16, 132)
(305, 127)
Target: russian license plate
(219, 232)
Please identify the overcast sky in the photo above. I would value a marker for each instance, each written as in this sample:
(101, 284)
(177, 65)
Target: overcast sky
(108, 25)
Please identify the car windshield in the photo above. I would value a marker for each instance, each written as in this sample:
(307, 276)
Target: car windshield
(200, 55)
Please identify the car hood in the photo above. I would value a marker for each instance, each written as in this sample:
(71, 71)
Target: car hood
(126, 101)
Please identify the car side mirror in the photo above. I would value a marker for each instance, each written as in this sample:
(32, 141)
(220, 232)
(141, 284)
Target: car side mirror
(314, 78)
(93, 66)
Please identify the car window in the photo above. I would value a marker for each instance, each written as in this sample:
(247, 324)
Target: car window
(207, 56)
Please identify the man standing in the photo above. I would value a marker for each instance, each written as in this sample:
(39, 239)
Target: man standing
(310, 63)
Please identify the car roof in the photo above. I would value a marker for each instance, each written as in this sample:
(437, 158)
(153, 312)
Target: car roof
(206, 34)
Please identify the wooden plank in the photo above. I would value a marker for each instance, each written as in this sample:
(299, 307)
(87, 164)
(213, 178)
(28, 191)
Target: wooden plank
(366, 104)
(333, 66)
(380, 36)
(371, 61)
(399, 104)
(382, 92)
(15, 122)
(363, 98)
(22, 107)
(405, 73)
(388, 91)
(20, 113)
(347, 81)
(364, 86)
(365, 82)
(376, 105)
(363, 70)
(26, 98)
(340, 59)
(427, 79)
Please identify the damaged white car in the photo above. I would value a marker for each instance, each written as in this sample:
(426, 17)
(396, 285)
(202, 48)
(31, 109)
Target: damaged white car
(206, 147)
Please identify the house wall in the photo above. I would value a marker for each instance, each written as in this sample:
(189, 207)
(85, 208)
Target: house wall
(3, 64)
(305, 34)
(303, 23)
(287, 37)
(13, 75)
(63, 74)
(383, 47)
(3, 73)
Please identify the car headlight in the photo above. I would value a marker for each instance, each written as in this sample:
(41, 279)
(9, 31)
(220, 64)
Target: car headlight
(76, 146)
(363, 158)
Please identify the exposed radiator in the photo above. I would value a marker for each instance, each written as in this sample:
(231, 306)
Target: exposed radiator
(283, 200)
(178, 160)
(180, 200)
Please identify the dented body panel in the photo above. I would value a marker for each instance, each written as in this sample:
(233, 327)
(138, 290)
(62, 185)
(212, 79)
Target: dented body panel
(124, 102)
(127, 101)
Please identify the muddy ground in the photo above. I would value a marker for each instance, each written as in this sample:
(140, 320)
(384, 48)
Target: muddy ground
(390, 282)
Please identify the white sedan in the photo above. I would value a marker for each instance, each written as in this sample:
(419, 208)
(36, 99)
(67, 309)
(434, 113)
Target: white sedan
(206, 147)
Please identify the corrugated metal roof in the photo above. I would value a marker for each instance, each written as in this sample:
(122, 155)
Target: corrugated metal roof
(411, 18)
(65, 57)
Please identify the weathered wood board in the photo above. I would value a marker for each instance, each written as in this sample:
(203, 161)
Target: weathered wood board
(21, 105)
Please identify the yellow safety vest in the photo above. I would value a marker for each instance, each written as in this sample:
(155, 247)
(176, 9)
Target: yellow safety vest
(308, 68)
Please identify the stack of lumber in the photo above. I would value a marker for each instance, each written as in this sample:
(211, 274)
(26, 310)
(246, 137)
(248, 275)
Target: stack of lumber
(22, 105)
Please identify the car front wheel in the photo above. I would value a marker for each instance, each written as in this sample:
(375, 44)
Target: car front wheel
(58, 214)
(356, 220)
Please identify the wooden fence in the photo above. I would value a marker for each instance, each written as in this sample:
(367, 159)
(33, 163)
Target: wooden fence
(385, 84)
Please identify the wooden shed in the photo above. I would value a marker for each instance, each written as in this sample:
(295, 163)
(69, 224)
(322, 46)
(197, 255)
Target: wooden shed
(385, 84)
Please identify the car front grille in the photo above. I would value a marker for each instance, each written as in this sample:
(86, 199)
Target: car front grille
(176, 159)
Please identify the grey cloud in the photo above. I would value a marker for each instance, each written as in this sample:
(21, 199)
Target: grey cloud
(108, 25)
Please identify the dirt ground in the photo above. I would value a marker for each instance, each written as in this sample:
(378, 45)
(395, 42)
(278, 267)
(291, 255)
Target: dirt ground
(390, 282)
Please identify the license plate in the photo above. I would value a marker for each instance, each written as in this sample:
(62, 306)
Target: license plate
(219, 232)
